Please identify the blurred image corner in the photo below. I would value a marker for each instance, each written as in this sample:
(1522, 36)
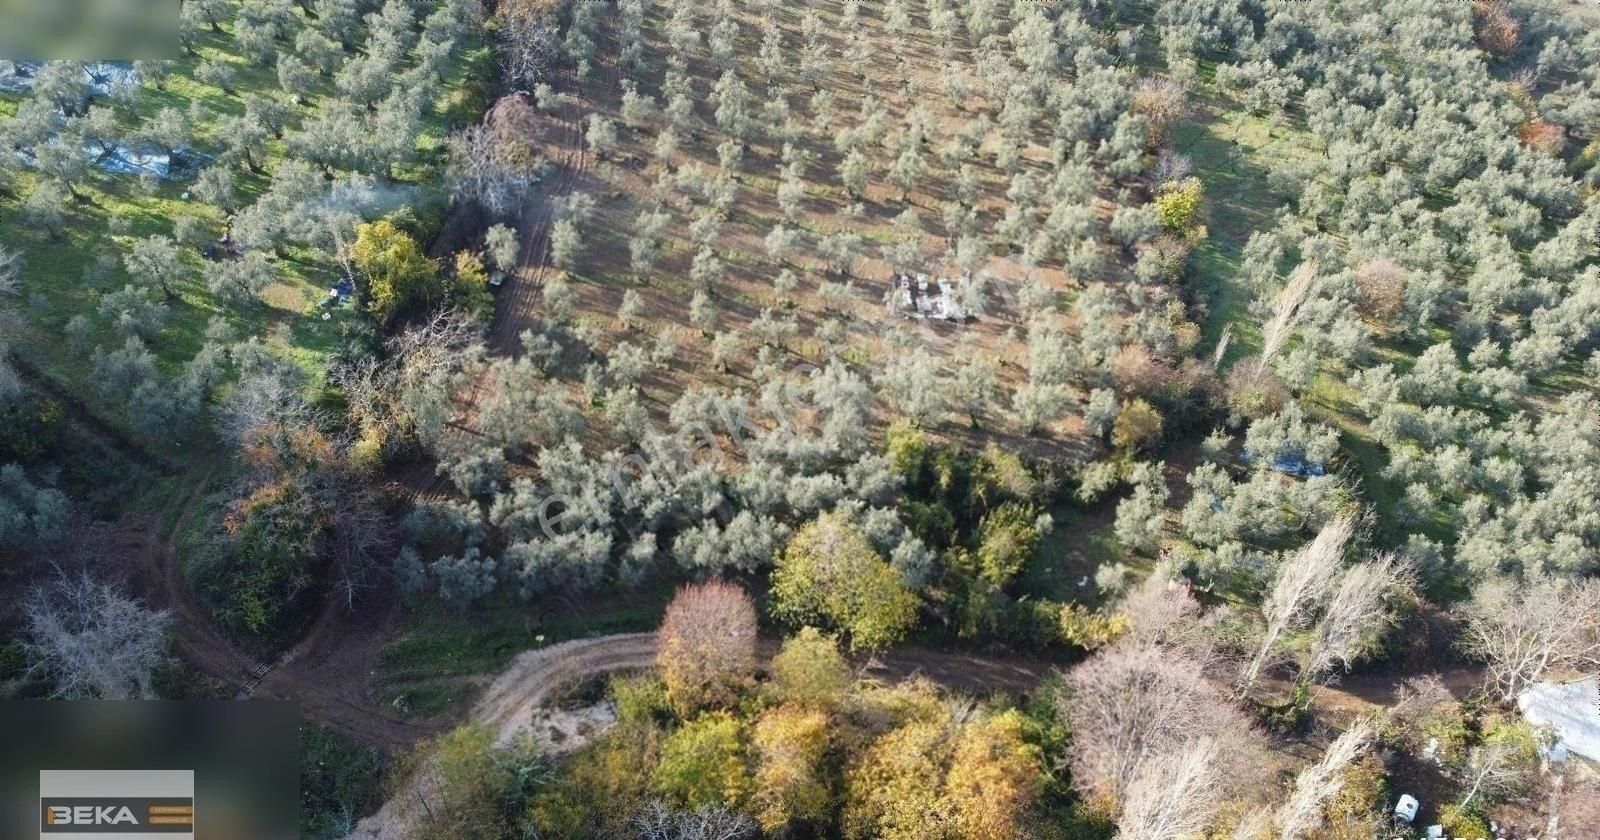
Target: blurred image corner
(88, 30)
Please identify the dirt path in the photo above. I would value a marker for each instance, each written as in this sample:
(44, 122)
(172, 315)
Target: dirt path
(328, 672)
(517, 301)
(199, 640)
(515, 698)
(1363, 694)
(507, 705)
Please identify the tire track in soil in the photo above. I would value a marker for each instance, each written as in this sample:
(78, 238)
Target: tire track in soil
(518, 308)
(327, 672)
(200, 642)
(505, 706)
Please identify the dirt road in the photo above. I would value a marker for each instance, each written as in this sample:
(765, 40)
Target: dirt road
(508, 705)
(512, 701)
(328, 673)
(562, 143)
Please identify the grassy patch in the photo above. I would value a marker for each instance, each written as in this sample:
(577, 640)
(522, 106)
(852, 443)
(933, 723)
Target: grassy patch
(1065, 561)
(442, 642)
(1234, 153)
(64, 277)
(425, 699)
(339, 781)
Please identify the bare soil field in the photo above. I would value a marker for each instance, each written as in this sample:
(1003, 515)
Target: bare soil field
(838, 308)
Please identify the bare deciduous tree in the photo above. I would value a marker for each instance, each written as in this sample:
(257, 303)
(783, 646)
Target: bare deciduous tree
(1303, 581)
(1286, 310)
(1523, 630)
(10, 271)
(1137, 700)
(10, 284)
(491, 163)
(411, 391)
(1301, 816)
(1161, 609)
(1493, 768)
(527, 44)
(657, 821)
(1358, 611)
(707, 643)
(93, 641)
(362, 539)
(1174, 795)
(1381, 282)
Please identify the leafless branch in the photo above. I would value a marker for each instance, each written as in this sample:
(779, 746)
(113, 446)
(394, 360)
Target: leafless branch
(93, 641)
(1303, 581)
(1286, 310)
(1521, 631)
(1301, 816)
(1356, 614)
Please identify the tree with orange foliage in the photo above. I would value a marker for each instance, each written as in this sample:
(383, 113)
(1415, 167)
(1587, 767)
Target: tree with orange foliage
(1543, 136)
(299, 512)
(1496, 30)
(707, 645)
(994, 778)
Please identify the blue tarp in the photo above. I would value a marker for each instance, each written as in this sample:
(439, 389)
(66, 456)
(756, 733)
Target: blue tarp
(1291, 465)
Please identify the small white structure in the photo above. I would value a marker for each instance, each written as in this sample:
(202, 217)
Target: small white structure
(1435, 832)
(1406, 808)
(906, 299)
(1571, 709)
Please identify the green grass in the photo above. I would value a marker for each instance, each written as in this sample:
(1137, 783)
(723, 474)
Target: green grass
(339, 780)
(425, 699)
(1233, 154)
(1079, 545)
(441, 643)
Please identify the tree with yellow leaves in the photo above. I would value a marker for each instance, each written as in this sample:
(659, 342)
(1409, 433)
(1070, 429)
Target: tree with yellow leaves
(830, 573)
(993, 780)
(703, 762)
(809, 671)
(894, 791)
(396, 272)
(791, 780)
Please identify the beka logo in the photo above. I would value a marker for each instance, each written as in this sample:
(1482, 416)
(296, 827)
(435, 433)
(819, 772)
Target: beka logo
(89, 804)
(89, 815)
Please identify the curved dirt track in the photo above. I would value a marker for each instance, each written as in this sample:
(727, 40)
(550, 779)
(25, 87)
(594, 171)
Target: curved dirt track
(507, 705)
(327, 673)
(512, 699)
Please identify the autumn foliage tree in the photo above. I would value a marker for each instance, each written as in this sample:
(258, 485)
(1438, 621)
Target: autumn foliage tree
(978, 779)
(1497, 31)
(298, 513)
(707, 645)
(809, 670)
(396, 272)
(830, 574)
(703, 762)
(994, 778)
(792, 780)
